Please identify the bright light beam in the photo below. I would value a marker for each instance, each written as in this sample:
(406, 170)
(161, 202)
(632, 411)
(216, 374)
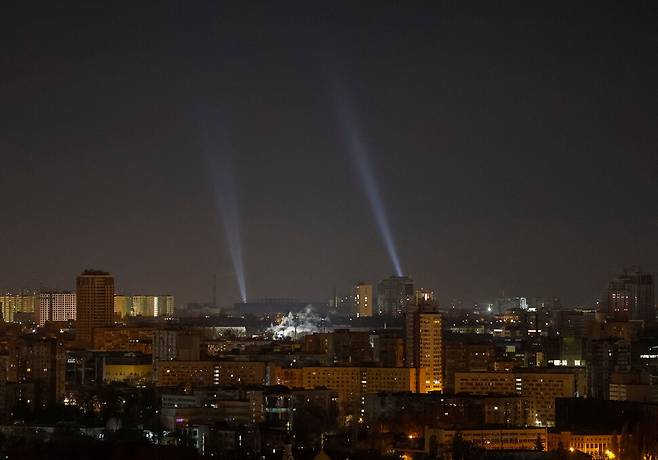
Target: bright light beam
(221, 171)
(359, 152)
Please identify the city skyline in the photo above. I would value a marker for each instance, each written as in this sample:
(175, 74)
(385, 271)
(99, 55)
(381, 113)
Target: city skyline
(328, 230)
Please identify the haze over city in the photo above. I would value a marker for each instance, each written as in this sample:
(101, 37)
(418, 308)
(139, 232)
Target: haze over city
(328, 230)
(514, 148)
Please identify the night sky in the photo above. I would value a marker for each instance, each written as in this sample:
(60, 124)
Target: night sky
(515, 149)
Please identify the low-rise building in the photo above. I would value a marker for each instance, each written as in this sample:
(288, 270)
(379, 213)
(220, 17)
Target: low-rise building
(592, 444)
(489, 438)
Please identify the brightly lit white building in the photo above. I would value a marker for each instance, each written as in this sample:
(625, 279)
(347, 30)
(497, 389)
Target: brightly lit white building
(56, 306)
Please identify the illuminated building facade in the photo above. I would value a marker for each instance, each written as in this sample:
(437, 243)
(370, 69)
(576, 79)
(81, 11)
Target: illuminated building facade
(591, 444)
(124, 339)
(10, 304)
(95, 304)
(209, 373)
(127, 371)
(363, 299)
(240, 373)
(541, 388)
(143, 305)
(424, 345)
(349, 383)
(56, 306)
(174, 373)
(490, 438)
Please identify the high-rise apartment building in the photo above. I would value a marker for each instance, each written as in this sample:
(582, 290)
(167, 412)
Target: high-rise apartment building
(10, 304)
(40, 364)
(95, 304)
(541, 387)
(56, 306)
(363, 299)
(394, 294)
(631, 296)
(388, 349)
(424, 345)
(465, 353)
(170, 344)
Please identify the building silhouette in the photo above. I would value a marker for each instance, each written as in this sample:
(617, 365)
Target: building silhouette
(95, 304)
(394, 294)
(631, 296)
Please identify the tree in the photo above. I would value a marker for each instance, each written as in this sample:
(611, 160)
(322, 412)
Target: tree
(434, 447)
(539, 445)
(561, 451)
(614, 444)
(624, 443)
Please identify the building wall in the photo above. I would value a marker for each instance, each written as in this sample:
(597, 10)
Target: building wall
(127, 372)
(40, 363)
(56, 306)
(389, 350)
(143, 305)
(124, 339)
(176, 344)
(540, 388)
(634, 392)
(15, 303)
(240, 373)
(431, 348)
(363, 300)
(95, 305)
(394, 294)
(174, 373)
(208, 373)
(424, 346)
(483, 383)
(462, 356)
(631, 296)
(591, 444)
(292, 377)
(351, 383)
(491, 439)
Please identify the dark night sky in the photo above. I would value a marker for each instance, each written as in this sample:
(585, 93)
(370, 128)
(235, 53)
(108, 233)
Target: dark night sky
(515, 148)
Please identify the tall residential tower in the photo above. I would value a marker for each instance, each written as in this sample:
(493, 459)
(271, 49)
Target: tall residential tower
(95, 304)
(424, 345)
(56, 306)
(631, 296)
